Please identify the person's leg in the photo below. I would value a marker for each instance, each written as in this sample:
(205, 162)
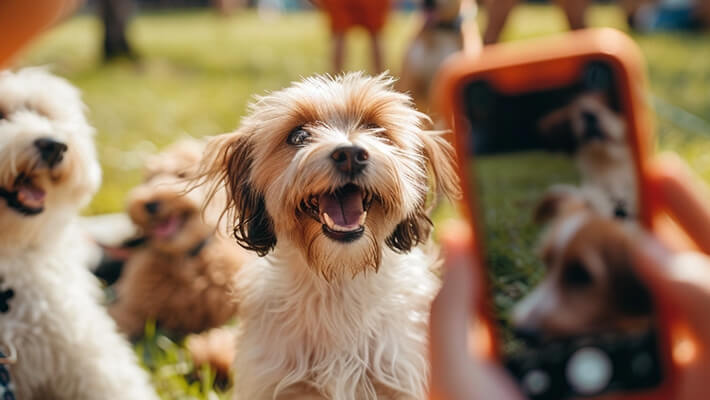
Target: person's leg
(498, 11)
(338, 51)
(377, 57)
(575, 11)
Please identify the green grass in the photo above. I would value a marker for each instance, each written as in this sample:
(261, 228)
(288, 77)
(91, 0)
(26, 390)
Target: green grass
(198, 71)
(510, 186)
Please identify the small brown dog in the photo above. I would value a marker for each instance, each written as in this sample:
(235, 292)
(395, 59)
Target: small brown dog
(590, 284)
(181, 277)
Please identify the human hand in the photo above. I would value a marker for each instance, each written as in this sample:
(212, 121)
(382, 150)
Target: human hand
(456, 373)
(680, 282)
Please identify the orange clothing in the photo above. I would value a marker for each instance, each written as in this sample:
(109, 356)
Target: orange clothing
(22, 20)
(346, 14)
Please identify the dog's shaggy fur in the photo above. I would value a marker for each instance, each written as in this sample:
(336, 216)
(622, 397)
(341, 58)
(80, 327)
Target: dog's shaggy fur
(67, 346)
(181, 277)
(329, 180)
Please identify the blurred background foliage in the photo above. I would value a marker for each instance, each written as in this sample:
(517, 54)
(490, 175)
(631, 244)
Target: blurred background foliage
(198, 69)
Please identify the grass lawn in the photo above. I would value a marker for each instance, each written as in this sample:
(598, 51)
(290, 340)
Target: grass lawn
(198, 70)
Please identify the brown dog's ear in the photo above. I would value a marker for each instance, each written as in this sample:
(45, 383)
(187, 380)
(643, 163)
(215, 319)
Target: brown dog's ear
(440, 160)
(555, 130)
(227, 165)
(629, 294)
(559, 200)
(439, 156)
(548, 208)
(412, 231)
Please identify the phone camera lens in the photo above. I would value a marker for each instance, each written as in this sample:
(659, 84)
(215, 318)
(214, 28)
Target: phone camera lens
(589, 371)
(536, 382)
(642, 365)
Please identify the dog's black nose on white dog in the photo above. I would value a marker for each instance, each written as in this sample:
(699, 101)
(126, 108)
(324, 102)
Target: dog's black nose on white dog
(51, 151)
(350, 160)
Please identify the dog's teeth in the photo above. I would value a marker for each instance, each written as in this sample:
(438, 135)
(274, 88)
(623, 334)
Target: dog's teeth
(361, 221)
(329, 221)
(338, 228)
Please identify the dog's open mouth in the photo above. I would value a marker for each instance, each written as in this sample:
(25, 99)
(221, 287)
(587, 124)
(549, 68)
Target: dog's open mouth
(167, 227)
(25, 197)
(342, 212)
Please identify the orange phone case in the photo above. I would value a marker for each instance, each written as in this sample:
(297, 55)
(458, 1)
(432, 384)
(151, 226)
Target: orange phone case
(554, 62)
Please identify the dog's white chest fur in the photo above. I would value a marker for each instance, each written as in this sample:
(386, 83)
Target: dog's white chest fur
(67, 346)
(361, 338)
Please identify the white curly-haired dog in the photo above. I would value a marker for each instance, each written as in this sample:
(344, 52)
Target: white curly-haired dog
(65, 344)
(329, 181)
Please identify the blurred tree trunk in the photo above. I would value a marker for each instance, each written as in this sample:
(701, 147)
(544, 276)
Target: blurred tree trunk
(116, 15)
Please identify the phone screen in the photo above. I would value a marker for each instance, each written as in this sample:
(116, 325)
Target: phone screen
(557, 210)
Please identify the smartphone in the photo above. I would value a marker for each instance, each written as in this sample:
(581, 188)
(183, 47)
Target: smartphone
(552, 141)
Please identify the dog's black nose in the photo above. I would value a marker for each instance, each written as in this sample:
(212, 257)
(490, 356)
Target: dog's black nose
(152, 207)
(529, 335)
(350, 160)
(51, 151)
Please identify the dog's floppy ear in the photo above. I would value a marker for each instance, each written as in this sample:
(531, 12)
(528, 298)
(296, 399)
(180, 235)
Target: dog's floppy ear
(555, 130)
(412, 231)
(227, 165)
(439, 155)
(559, 199)
(548, 207)
(631, 297)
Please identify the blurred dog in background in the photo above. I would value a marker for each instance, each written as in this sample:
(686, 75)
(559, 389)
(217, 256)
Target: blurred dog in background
(181, 274)
(442, 34)
(66, 345)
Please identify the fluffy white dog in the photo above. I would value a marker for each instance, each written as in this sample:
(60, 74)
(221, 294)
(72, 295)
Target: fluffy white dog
(329, 180)
(66, 345)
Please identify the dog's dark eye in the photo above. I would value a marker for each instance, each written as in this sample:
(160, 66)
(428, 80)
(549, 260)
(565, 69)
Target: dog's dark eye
(298, 136)
(576, 275)
(182, 175)
(378, 131)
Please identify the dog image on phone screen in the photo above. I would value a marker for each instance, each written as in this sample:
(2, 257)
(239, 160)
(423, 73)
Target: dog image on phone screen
(181, 275)
(589, 283)
(329, 180)
(596, 135)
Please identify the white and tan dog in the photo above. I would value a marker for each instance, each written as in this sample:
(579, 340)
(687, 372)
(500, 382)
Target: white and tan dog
(66, 345)
(329, 180)
(602, 151)
(443, 33)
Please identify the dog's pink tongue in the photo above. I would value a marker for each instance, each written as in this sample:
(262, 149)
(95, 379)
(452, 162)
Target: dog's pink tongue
(167, 228)
(30, 195)
(344, 207)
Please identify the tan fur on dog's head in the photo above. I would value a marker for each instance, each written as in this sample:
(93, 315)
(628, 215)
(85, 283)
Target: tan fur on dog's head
(588, 126)
(590, 284)
(48, 164)
(324, 140)
(163, 207)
